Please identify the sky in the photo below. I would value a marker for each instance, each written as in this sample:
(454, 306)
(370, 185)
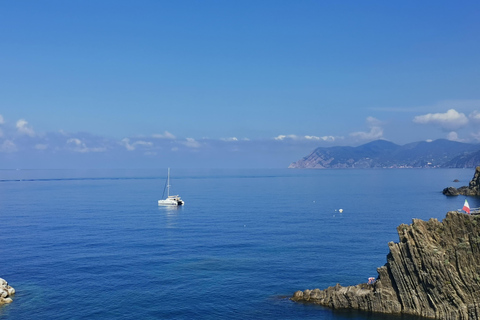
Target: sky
(221, 84)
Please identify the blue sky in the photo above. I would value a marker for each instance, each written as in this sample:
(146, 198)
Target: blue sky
(230, 83)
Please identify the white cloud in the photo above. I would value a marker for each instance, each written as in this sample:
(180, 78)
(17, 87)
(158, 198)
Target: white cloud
(2, 121)
(128, 146)
(132, 146)
(165, 135)
(80, 146)
(230, 139)
(450, 120)
(76, 141)
(283, 137)
(191, 143)
(376, 131)
(234, 139)
(373, 122)
(23, 128)
(324, 138)
(374, 134)
(453, 136)
(8, 146)
(475, 116)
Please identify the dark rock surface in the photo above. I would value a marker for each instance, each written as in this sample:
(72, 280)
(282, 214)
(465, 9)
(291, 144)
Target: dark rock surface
(473, 188)
(433, 272)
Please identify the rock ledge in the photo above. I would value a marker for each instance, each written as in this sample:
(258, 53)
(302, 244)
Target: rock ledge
(473, 188)
(433, 272)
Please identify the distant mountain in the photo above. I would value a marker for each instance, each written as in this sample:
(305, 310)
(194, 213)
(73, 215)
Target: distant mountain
(469, 160)
(384, 154)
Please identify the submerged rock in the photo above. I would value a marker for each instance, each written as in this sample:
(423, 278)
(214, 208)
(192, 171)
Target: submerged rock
(473, 188)
(433, 271)
(5, 292)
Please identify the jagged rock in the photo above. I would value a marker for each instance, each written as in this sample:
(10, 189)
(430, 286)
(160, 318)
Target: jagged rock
(473, 188)
(433, 272)
(6, 292)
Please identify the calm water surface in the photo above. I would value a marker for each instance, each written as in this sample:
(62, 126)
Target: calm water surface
(95, 245)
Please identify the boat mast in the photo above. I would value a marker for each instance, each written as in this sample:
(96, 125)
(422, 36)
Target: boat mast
(168, 183)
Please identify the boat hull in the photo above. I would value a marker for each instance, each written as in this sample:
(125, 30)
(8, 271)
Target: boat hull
(170, 202)
(167, 203)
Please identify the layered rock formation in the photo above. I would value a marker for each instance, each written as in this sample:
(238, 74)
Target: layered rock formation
(473, 188)
(434, 272)
(5, 292)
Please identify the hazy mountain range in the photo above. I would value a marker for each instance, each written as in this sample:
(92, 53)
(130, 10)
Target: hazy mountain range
(384, 154)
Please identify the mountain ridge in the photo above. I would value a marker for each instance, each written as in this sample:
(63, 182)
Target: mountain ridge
(439, 153)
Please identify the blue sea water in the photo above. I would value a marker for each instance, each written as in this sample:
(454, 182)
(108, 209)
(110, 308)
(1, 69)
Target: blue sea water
(95, 245)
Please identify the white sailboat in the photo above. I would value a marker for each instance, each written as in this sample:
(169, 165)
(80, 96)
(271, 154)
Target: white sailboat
(170, 200)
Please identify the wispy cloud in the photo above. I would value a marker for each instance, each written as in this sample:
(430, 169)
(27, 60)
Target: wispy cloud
(191, 143)
(165, 135)
(474, 116)
(234, 139)
(80, 146)
(450, 120)
(41, 146)
(132, 146)
(465, 104)
(8, 146)
(283, 137)
(458, 104)
(229, 139)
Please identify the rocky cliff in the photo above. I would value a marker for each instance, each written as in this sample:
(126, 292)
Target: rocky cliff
(433, 271)
(473, 188)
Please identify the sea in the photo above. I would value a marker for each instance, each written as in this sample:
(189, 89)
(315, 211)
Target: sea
(94, 244)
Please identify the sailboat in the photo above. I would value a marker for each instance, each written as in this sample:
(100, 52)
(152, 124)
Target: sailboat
(170, 200)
